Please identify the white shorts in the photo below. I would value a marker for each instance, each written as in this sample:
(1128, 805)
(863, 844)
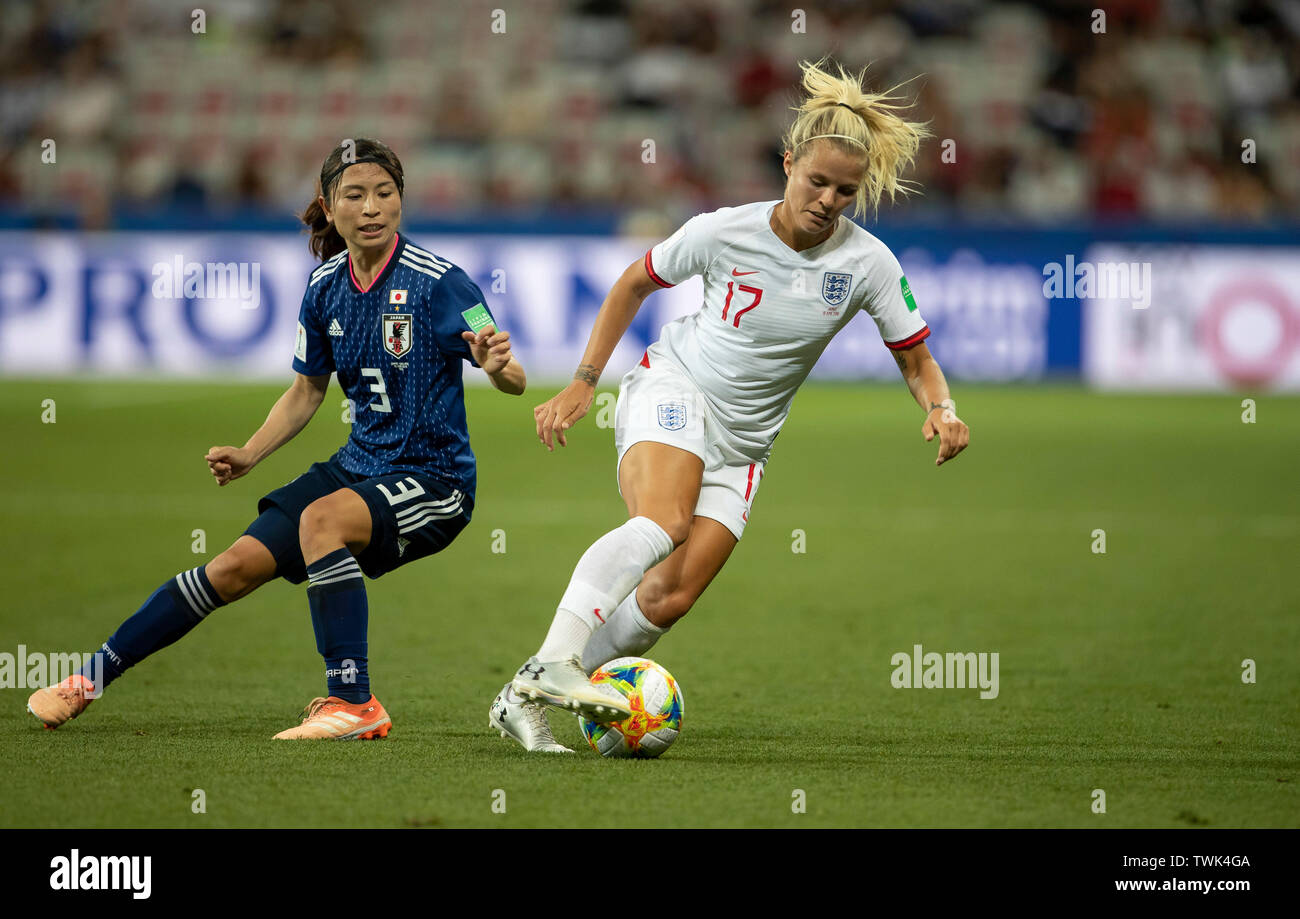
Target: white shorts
(661, 404)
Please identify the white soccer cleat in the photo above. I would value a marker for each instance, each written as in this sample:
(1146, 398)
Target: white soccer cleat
(565, 684)
(525, 721)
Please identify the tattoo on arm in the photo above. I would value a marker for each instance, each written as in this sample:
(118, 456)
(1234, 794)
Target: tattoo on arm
(934, 405)
(901, 359)
(587, 373)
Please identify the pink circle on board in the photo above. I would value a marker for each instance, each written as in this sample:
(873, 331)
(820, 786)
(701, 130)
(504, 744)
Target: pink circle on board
(1255, 369)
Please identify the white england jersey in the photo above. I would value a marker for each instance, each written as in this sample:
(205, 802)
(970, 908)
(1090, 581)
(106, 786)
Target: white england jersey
(769, 313)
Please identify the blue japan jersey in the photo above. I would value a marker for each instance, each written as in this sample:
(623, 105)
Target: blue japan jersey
(397, 350)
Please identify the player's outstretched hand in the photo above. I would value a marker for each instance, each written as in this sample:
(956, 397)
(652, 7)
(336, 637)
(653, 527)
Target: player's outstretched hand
(562, 412)
(228, 463)
(952, 431)
(491, 349)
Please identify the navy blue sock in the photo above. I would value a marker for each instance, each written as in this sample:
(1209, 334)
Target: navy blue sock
(169, 613)
(336, 591)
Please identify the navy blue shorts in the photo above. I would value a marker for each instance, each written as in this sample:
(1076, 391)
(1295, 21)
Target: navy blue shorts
(411, 516)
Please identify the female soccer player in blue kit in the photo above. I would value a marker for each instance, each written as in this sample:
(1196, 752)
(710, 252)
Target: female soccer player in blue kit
(394, 322)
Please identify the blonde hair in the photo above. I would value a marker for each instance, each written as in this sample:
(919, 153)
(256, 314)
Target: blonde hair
(839, 111)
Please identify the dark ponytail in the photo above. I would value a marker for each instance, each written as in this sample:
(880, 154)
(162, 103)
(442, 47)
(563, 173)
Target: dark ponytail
(325, 242)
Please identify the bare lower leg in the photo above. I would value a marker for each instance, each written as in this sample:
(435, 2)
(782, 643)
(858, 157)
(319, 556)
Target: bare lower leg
(668, 591)
(665, 595)
(661, 485)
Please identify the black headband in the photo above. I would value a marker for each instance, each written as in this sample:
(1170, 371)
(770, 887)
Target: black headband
(327, 178)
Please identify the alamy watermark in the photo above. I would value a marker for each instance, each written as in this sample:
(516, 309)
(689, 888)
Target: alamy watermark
(182, 280)
(1098, 281)
(953, 670)
(75, 871)
(37, 669)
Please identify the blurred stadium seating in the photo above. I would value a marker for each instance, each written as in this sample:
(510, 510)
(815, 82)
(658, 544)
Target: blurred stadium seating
(1052, 122)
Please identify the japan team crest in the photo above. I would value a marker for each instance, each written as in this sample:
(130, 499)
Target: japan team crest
(398, 330)
(835, 287)
(672, 415)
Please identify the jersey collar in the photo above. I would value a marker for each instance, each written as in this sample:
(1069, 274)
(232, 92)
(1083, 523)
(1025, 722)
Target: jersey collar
(390, 265)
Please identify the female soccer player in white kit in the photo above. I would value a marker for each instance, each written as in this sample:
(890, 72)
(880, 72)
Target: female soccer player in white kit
(697, 416)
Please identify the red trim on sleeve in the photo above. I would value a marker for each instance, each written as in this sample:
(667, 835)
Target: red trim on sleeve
(645, 360)
(909, 340)
(650, 270)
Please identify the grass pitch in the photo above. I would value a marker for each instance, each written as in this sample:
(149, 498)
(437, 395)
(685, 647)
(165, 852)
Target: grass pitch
(1119, 671)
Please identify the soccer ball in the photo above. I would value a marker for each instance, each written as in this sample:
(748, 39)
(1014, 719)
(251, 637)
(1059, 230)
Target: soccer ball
(657, 707)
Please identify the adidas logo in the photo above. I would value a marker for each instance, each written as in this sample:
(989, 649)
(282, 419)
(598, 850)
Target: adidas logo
(335, 328)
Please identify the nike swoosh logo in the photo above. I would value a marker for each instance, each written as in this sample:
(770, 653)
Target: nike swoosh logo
(738, 273)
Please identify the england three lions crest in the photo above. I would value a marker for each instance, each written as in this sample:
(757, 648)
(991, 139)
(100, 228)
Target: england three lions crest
(672, 415)
(398, 330)
(835, 287)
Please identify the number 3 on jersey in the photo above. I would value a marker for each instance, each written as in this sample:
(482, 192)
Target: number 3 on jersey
(379, 388)
(756, 292)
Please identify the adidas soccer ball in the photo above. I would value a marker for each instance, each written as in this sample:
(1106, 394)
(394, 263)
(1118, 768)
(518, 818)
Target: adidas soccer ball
(657, 706)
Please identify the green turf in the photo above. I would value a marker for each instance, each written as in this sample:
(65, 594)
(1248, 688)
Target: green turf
(1119, 671)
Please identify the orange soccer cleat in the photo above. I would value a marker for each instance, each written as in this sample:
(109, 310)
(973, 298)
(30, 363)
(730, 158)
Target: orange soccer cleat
(333, 719)
(62, 702)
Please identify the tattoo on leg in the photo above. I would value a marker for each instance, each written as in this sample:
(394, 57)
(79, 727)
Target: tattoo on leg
(587, 373)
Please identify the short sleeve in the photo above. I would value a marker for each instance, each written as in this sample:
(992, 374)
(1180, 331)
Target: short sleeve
(889, 300)
(684, 254)
(312, 355)
(454, 296)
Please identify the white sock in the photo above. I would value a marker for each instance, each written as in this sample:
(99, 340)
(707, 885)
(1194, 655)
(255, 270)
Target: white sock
(607, 572)
(628, 633)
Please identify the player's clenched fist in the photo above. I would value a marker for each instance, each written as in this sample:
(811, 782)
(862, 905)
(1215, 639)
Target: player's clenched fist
(952, 431)
(491, 349)
(562, 412)
(228, 463)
